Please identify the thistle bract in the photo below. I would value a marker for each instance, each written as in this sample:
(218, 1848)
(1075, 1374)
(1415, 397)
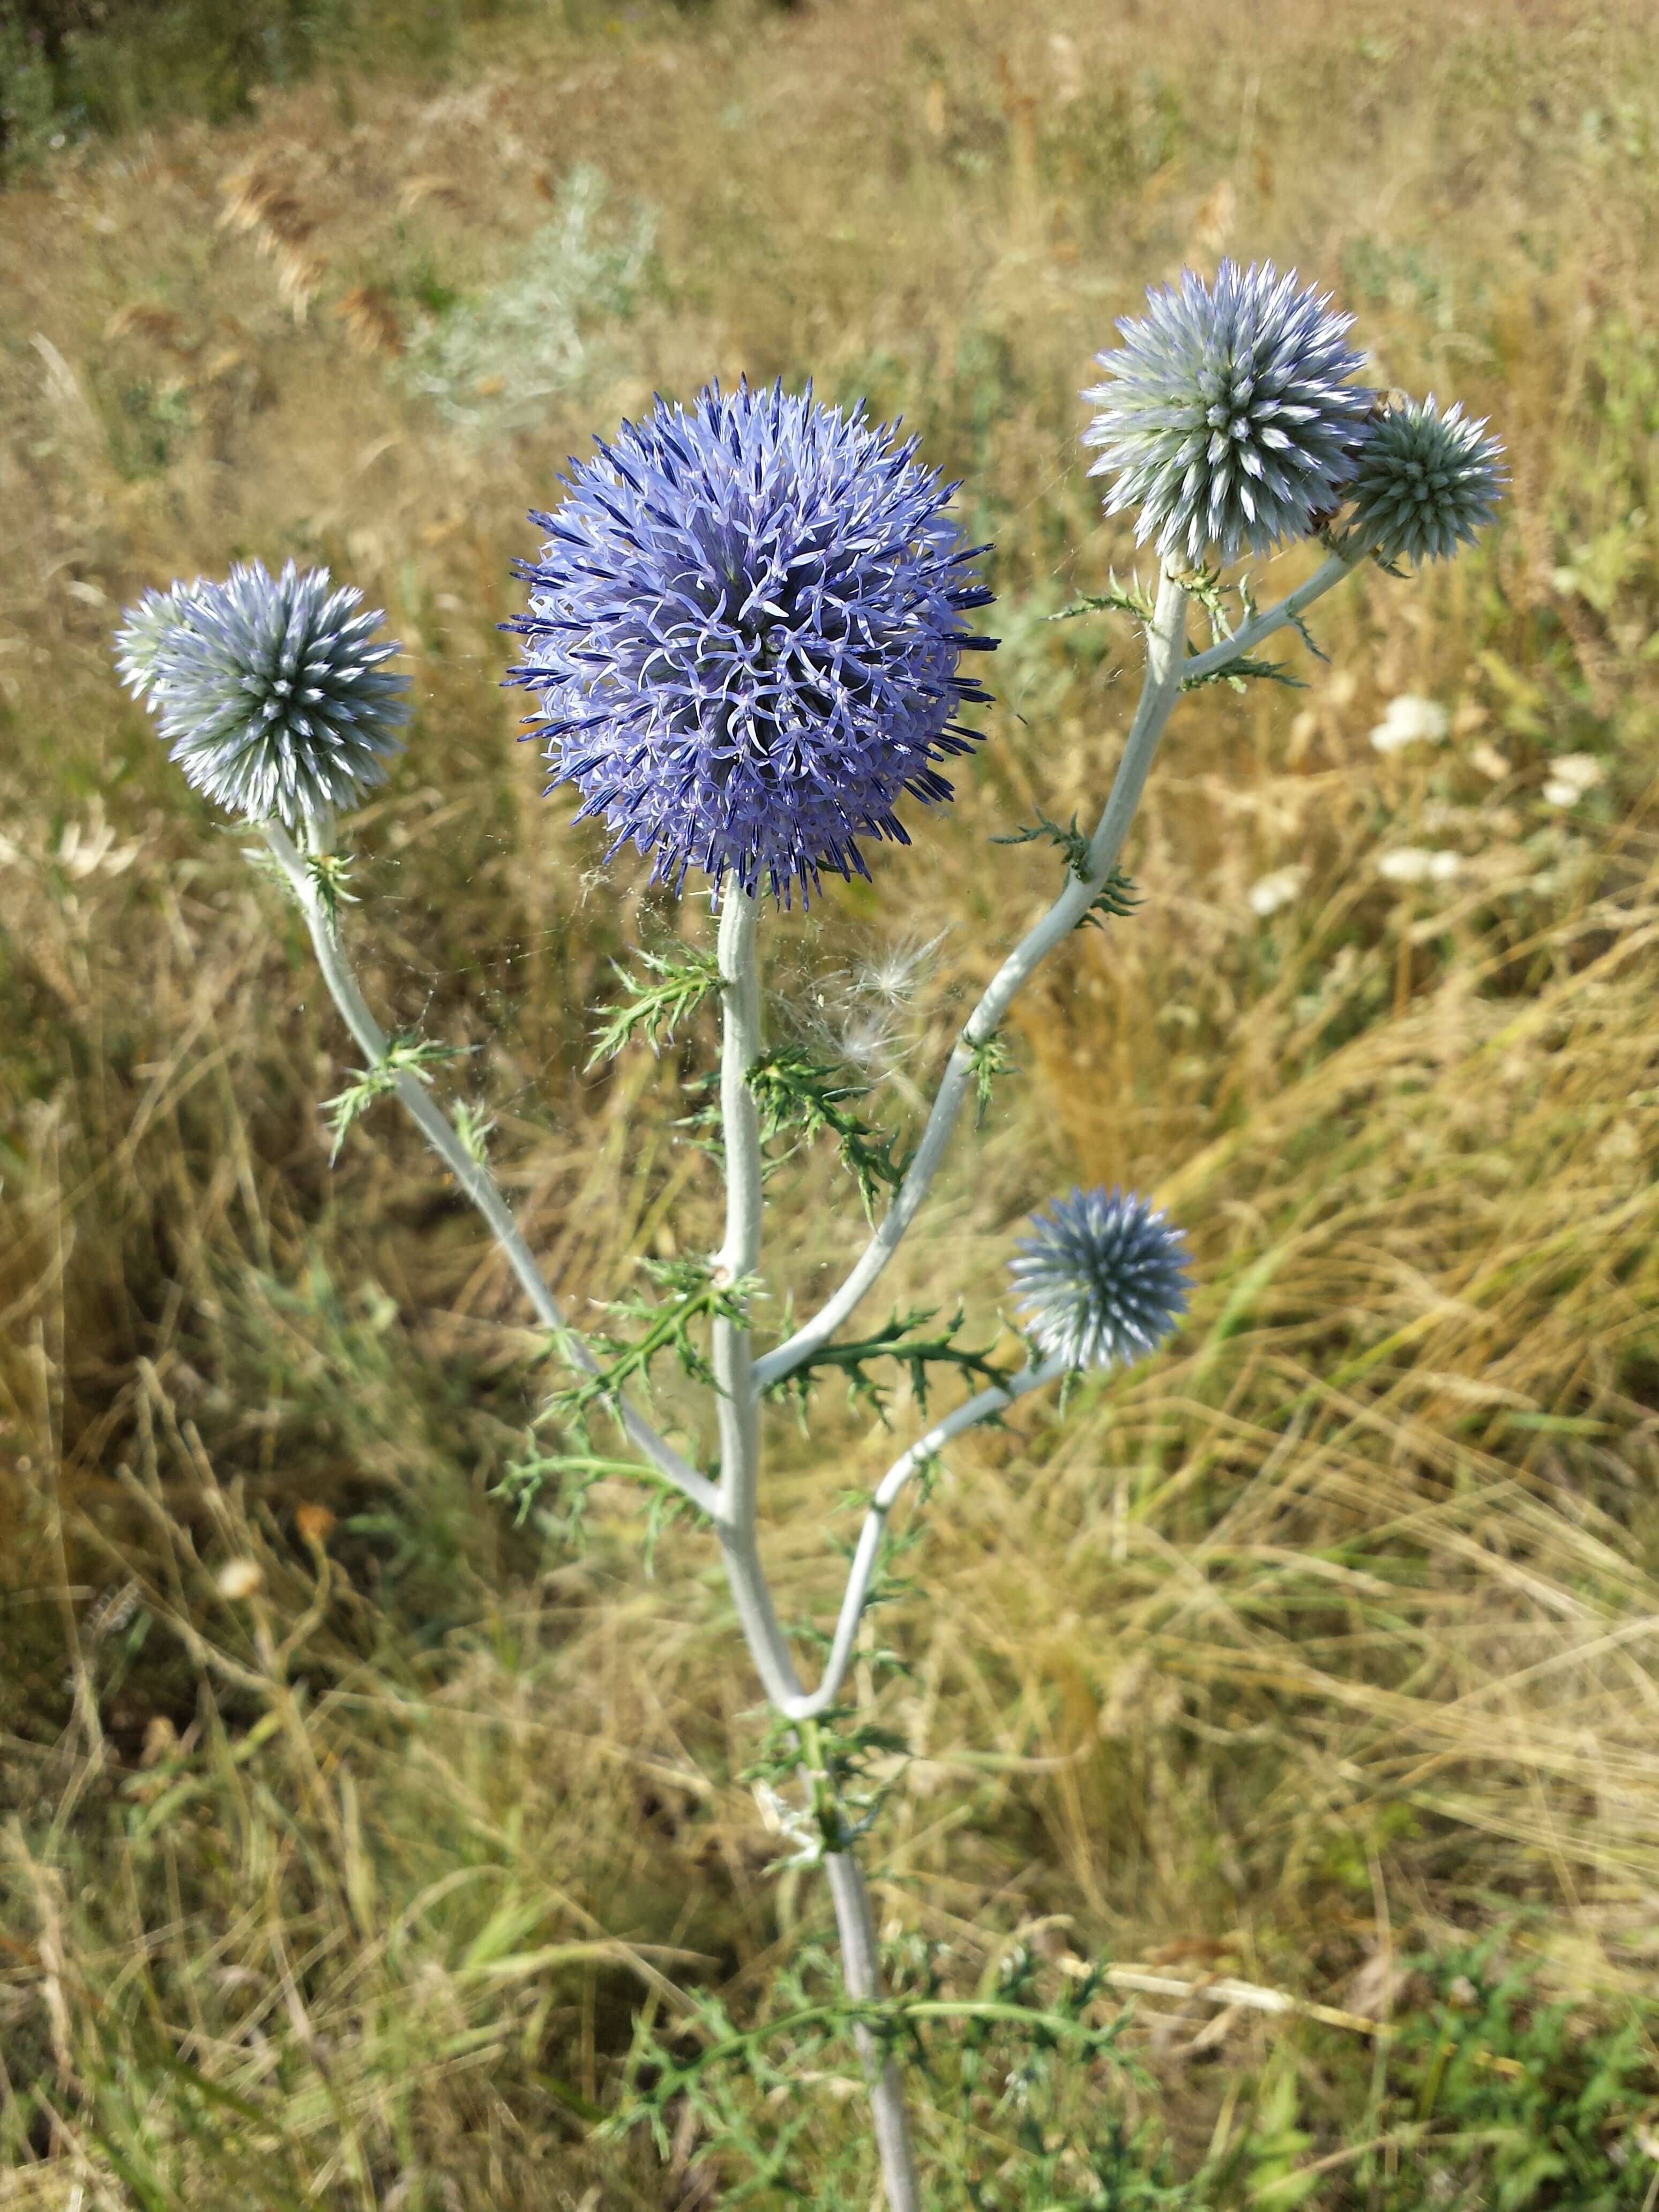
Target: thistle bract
(1103, 1279)
(1227, 417)
(744, 636)
(272, 692)
(1425, 483)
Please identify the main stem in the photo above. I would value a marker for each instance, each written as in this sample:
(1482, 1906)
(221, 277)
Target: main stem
(740, 1380)
(735, 1514)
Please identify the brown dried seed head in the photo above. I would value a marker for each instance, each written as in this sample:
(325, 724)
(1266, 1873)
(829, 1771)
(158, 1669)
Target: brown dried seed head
(371, 323)
(143, 320)
(255, 200)
(313, 1522)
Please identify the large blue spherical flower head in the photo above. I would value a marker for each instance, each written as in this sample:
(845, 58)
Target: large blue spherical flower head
(272, 691)
(745, 634)
(1425, 483)
(1227, 417)
(1103, 1278)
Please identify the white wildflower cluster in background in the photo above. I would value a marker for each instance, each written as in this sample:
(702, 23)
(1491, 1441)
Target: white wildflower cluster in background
(492, 361)
(1411, 720)
(1419, 864)
(1571, 776)
(1281, 889)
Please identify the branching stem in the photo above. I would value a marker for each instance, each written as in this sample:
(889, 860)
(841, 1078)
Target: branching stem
(983, 1407)
(473, 1177)
(1166, 664)
(1330, 573)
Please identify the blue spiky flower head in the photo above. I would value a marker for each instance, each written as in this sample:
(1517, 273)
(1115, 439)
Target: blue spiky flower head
(1424, 483)
(272, 691)
(1103, 1279)
(1228, 416)
(744, 636)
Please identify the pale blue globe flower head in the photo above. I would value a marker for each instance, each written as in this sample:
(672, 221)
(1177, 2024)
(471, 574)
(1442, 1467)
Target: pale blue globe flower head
(745, 636)
(1228, 418)
(1103, 1280)
(1425, 483)
(144, 631)
(272, 691)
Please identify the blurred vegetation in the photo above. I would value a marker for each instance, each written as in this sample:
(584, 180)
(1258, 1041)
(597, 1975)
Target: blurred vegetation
(1305, 1675)
(71, 67)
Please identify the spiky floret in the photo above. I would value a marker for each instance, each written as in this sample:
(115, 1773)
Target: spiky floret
(1425, 483)
(744, 636)
(1103, 1280)
(1227, 417)
(272, 692)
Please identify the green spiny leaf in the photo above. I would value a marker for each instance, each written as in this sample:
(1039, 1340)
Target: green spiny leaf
(1235, 673)
(988, 1057)
(328, 873)
(1206, 585)
(675, 984)
(666, 1328)
(791, 1090)
(1131, 599)
(1307, 637)
(1071, 840)
(404, 1056)
(898, 1342)
(1116, 898)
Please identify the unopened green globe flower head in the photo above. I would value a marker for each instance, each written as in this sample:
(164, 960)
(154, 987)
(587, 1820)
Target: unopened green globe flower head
(1425, 483)
(1103, 1279)
(272, 691)
(1229, 417)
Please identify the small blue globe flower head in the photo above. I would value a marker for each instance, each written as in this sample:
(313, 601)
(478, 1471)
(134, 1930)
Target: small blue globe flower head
(1425, 483)
(1103, 1280)
(272, 691)
(745, 634)
(1227, 417)
(138, 641)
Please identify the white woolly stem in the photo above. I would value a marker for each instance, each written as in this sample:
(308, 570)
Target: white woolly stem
(988, 1403)
(1166, 664)
(860, 1956)
(471, 1175)
(1330, 573)
(735, 1515)
(738, 1402)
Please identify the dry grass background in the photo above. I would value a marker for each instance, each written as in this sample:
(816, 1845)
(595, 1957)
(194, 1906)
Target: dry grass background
(1328, 1636)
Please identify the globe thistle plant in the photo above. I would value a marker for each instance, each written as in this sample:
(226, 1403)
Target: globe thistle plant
(1227, 417)
(1103, 1280)
(744, 636)
(272, 691)
(1424, 483)
(745, 641)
